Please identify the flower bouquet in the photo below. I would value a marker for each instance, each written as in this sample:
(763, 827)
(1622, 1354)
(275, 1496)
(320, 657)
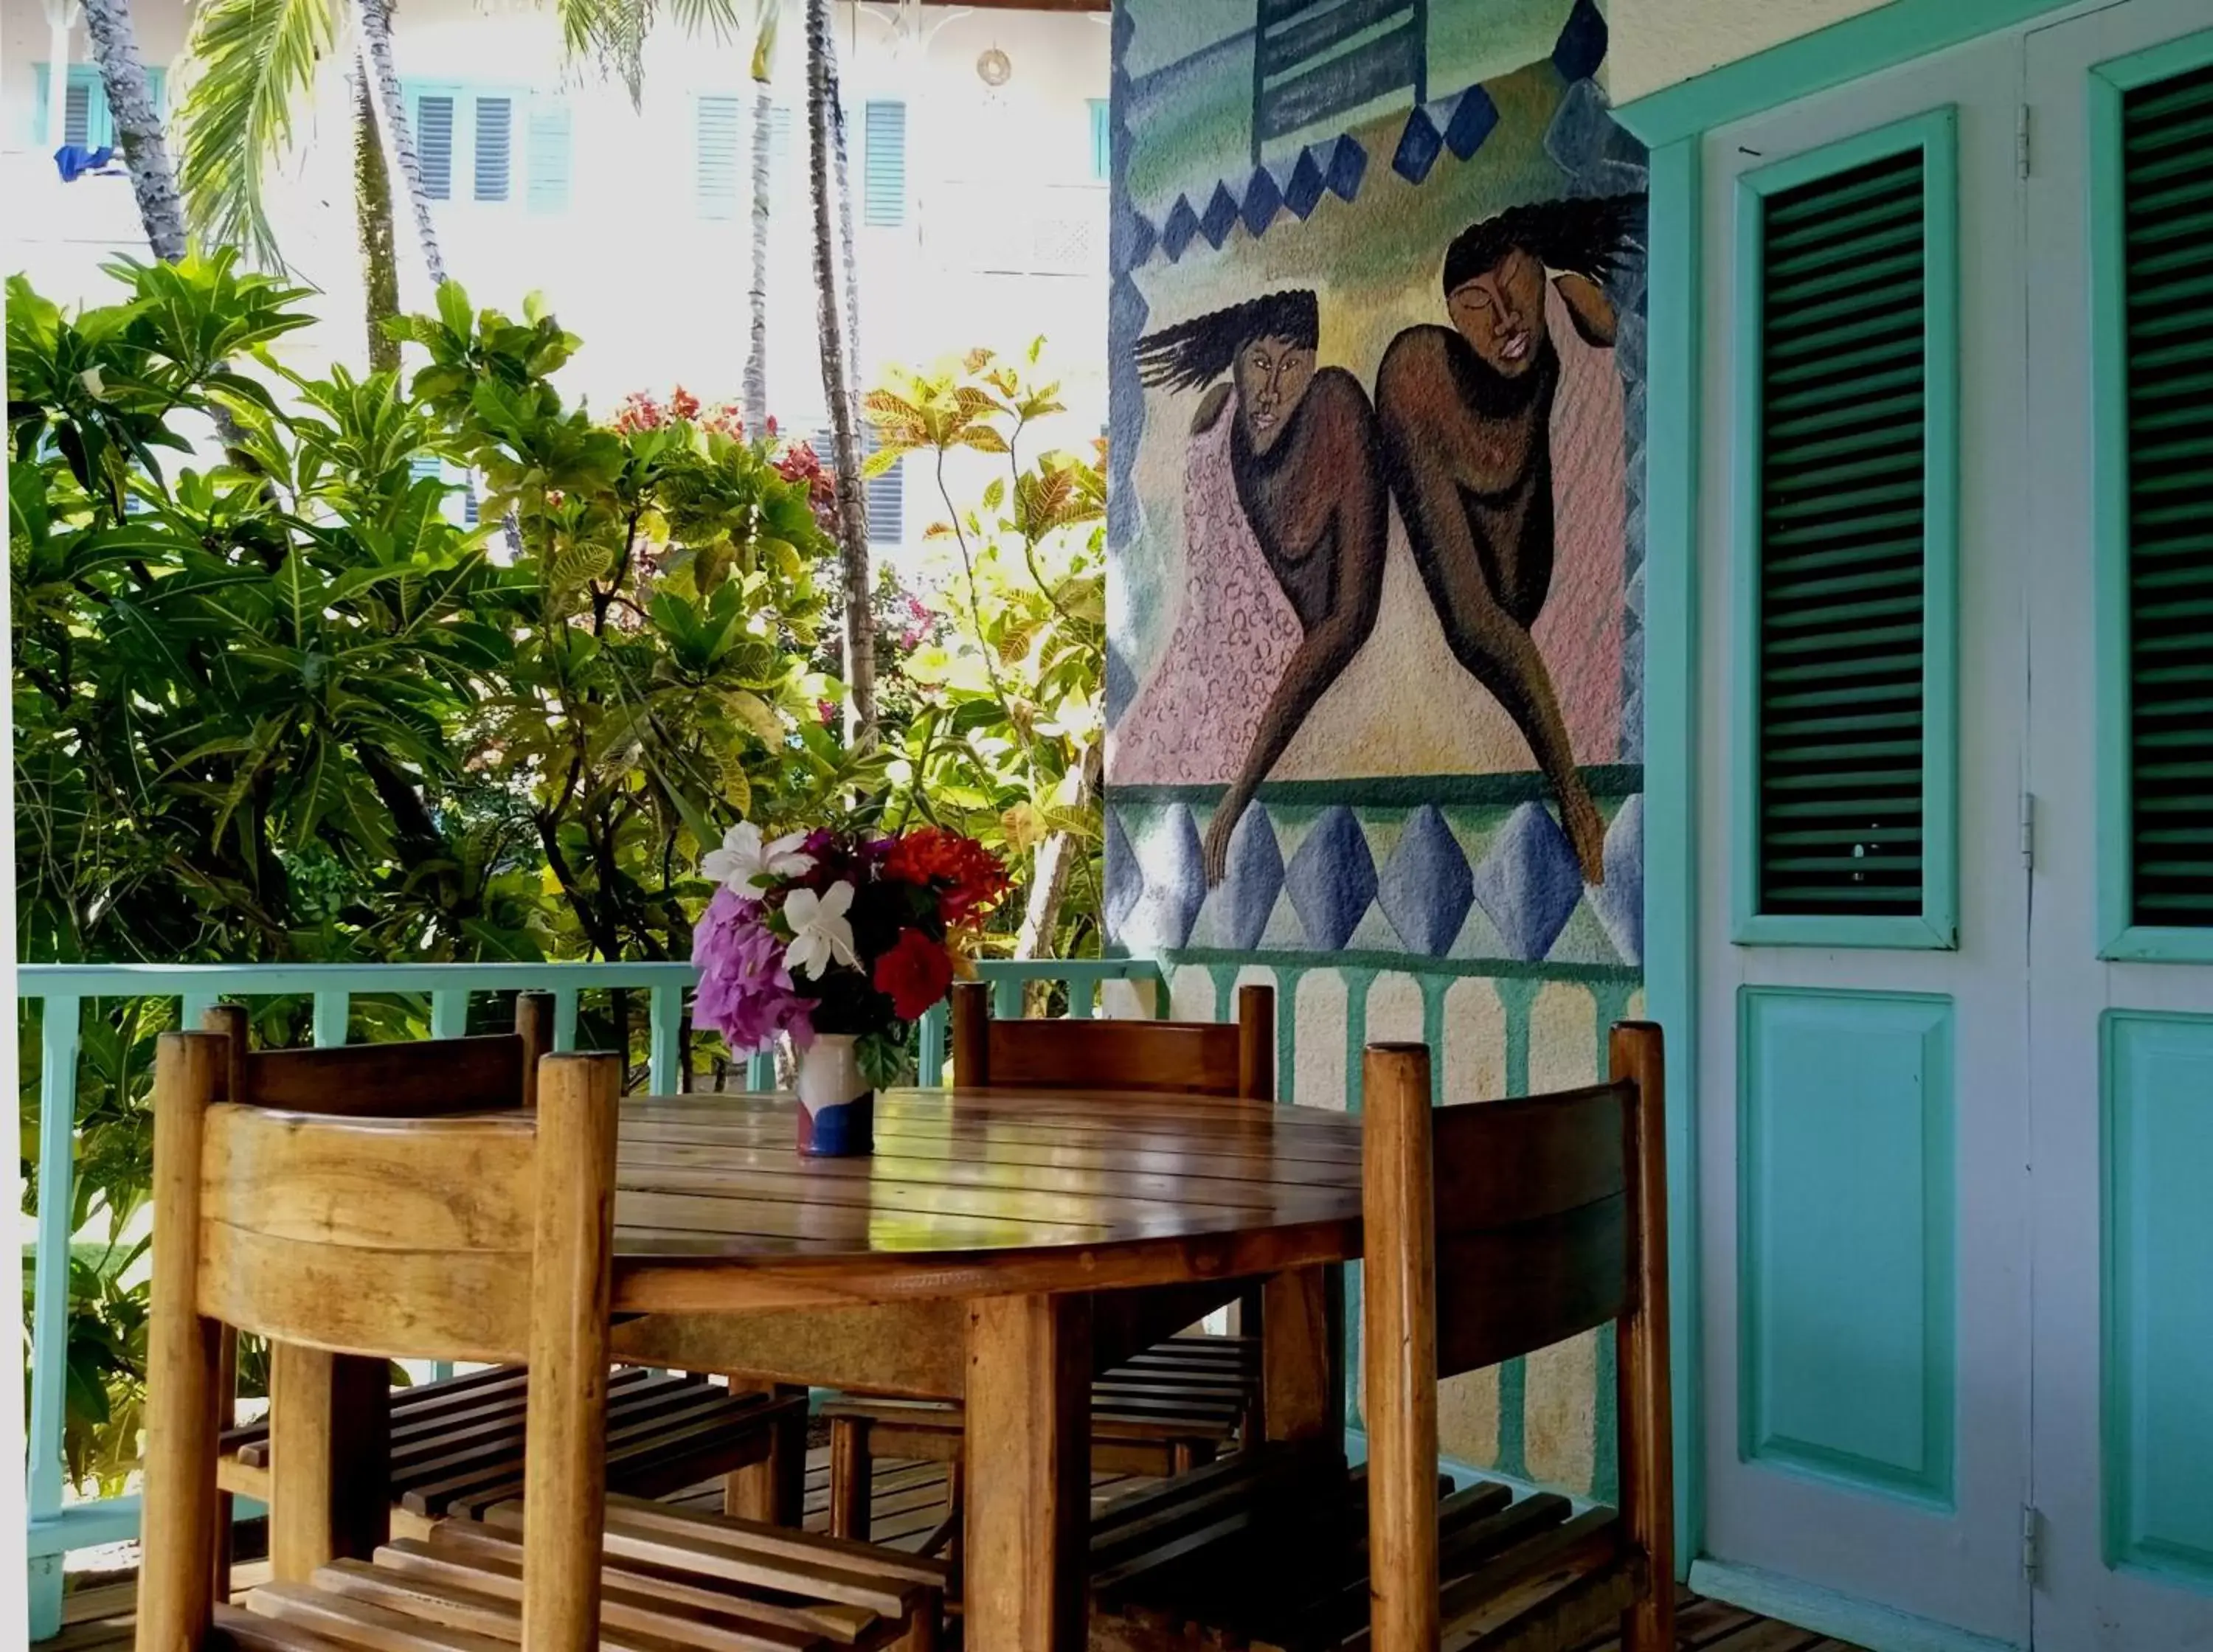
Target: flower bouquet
(840, 941)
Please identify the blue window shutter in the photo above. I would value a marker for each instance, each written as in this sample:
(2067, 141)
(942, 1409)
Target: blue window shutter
(886, 498)
(433, 143)
(1102, 139)
(87, 120)
(548, 155)
(41, 101)
(495, 134)
(716, 123)
(884, 197)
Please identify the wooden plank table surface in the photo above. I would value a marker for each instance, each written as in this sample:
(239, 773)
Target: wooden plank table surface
(998, 1247)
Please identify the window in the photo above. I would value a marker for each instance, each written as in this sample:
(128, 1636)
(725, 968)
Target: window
(2152, 173)
(1847, 401)
(495, 126)
(87, 121)
(884, 195)
(433, 143)
(886, 494)
(716, 125)
(492, 146)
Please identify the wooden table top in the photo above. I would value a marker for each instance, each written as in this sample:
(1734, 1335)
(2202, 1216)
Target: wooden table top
(973, 1192)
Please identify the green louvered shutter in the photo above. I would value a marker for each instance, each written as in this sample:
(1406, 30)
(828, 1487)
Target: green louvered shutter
(433, 143)
(549, 153)
(1843, 551)
(2167, 134)
(495, 146)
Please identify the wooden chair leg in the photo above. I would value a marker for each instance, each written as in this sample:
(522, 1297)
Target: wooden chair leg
(851, 1478)
(773, 1490)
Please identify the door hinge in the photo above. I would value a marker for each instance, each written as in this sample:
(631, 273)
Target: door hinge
(2028, 831)
(2032, 1543)
(2020, 149)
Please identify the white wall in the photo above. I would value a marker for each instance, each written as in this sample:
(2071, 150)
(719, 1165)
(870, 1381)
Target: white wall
(1656, 43)
(1004, 237)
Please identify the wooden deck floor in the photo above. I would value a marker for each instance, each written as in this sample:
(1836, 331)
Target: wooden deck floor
(910, 1502)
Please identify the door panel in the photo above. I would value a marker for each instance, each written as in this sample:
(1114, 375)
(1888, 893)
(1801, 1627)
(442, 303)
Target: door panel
(1863, 1125)
(2121, 1056)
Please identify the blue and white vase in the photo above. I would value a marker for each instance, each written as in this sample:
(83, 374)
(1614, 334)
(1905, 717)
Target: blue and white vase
(837, 1107)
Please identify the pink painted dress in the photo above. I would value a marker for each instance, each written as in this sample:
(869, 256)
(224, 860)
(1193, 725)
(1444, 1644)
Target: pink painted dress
(1193, 721)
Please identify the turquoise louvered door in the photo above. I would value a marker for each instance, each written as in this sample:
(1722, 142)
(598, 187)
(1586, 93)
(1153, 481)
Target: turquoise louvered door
(2120, 583)
(1865, 1400)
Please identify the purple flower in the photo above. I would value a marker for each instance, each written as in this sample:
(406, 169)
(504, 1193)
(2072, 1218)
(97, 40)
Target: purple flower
(746, 993)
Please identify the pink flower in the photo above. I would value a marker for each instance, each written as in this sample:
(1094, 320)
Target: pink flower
(746, 993)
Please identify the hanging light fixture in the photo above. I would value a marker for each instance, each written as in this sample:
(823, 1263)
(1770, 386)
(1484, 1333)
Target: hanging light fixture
(994, 67)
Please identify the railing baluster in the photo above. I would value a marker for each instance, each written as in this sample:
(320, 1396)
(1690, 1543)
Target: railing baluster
(564, 1018)
(449, 1012)
(1007, 998)
(333, 1008)
(195, 1009)
(59, 1037)
(1083, 999)
(930, 1047)
(761, 1072)
(665, 1041)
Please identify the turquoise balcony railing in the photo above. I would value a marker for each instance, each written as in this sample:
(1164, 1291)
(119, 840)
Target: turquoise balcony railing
(58, 1524)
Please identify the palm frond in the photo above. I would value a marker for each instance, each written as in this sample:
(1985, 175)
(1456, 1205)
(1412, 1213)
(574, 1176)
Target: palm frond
(252, 63)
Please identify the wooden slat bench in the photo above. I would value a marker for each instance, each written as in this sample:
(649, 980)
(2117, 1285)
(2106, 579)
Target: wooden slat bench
(457, 1444)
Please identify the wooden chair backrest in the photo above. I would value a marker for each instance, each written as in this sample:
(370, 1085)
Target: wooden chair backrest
(1227, 1058)
(485, 1238)
(415, 1080)
(1492, 1230)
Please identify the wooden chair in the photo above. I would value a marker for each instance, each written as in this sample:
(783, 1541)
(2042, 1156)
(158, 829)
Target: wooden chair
(482, 1237)
(455, 1446)
(1492, 1231)
(1173, 1405)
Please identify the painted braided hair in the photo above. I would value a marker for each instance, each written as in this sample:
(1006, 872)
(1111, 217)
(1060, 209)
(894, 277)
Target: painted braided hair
(1585, 237)
(1197, 352)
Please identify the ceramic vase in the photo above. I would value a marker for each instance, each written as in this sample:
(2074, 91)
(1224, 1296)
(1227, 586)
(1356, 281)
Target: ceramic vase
(837, 1107)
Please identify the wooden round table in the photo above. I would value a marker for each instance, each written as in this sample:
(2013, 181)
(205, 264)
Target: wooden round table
(997, 1248)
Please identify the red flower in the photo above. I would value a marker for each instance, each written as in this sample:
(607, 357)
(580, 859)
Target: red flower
(914, 974)
(968, 877)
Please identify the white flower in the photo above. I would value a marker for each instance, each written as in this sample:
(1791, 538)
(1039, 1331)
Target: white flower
(745, 864)
(820, 933)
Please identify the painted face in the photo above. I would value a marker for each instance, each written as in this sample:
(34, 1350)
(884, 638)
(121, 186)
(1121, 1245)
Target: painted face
(1272, 376)
(1502, 312)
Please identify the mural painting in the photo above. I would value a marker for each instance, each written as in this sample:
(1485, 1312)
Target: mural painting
(1376, 657)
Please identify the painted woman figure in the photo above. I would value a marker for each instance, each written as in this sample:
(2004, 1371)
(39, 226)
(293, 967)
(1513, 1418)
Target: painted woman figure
(1284, 518)
(1466, 416)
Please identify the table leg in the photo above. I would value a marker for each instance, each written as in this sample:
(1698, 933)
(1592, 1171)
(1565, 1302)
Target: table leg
(1302, 1332)
(774, 1490)
(330, 1430)
(1029, 1473)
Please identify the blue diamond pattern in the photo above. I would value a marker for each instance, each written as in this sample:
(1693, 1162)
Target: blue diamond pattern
(1221, 213)
(1250, 883)
(1142, 236)
(1427, 887)
(1182, 225)
(1124, 882)
(1175, 885)
(1262, 200)
(1348, 162)
(1619, 901)
(1419, 145)
(1471, 122)
(1303, 193)
(1332, 879)
(1581, 45)
(1528, 883)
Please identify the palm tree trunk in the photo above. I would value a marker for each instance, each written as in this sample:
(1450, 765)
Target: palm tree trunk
(837, 103)
(376, 37)
(131, 100)
(852, 510)
(372, 206)
(756, 383)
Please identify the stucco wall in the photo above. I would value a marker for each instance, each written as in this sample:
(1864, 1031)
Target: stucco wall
(1657, 43)
(1322, 769)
